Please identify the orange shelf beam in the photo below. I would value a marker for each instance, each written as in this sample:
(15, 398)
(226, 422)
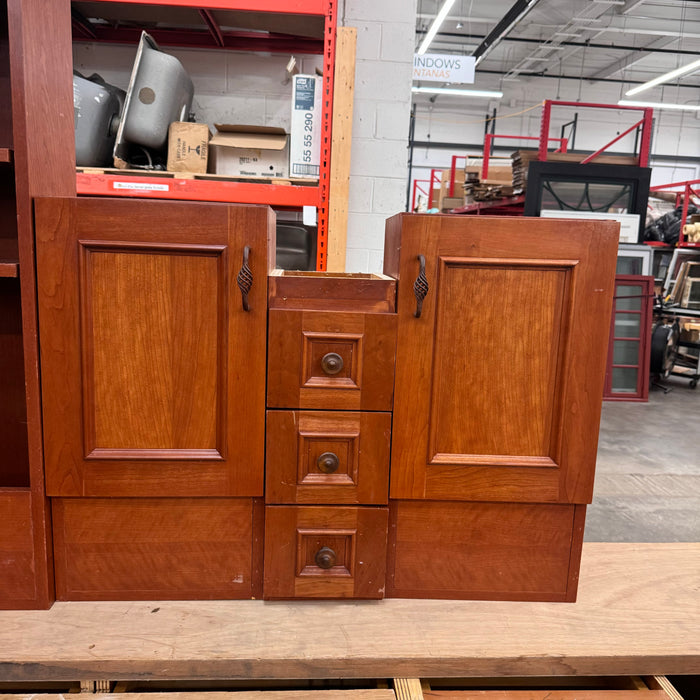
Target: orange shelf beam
(301, 7)
(115, 185)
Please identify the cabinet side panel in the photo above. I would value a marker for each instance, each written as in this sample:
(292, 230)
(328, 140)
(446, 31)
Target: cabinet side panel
(151, 549)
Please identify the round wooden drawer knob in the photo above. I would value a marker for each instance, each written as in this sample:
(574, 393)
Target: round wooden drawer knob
(325, 558)
(331, 363)
(328, 462)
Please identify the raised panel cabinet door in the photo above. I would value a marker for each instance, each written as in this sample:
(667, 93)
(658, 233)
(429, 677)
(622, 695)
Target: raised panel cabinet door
(153, 372)
(499, 377)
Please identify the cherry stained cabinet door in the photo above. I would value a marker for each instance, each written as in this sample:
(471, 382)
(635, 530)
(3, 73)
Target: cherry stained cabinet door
(153, 373)
(499, 381)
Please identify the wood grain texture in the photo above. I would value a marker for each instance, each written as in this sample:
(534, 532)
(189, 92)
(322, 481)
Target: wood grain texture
(14, 459)
(341, 141)
(545, 694)
(18, 587)
(340, 694)
(486, 551)
(162, 383)
(499, 382)
(637, 613)
(149, 322)
(148, 548)
(43, 163)
(297, 439)
(298, 340)
(321, 291)
(295, 534)
(6, 138)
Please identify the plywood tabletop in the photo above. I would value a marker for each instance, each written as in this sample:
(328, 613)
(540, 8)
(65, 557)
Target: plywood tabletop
(638, 612)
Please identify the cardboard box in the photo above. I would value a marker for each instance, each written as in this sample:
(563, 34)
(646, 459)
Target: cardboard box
(188, 147)
(451, 203)
(305, 132)
(249, 151)
(499, 175)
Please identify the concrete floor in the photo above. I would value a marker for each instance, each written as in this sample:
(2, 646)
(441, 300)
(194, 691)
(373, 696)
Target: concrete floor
(647, 486)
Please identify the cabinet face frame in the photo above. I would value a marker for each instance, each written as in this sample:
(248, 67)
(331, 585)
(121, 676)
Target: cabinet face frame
(557, 463)
(94, 444)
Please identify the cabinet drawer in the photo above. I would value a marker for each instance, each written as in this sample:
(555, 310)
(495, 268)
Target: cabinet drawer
(325, 552)
(327, 457)
(485, 551)
(331, 360)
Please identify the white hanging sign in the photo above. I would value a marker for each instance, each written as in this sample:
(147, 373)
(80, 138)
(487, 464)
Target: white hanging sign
(444, 68)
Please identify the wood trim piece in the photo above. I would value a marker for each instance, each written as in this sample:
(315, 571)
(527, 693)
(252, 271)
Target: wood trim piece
(341, 141)
(44, 164)
(575, 555)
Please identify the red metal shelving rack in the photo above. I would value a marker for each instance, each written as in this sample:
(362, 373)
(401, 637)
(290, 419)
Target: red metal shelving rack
(690, 190)
(216, 190)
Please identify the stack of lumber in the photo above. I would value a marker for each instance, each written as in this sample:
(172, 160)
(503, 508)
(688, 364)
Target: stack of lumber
(521, 161)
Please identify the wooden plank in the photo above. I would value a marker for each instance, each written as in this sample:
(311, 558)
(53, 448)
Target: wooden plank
(662, 683)
(637, 614)
(341, 140)
(545, 694)
(408, 689)
(5, 155)
(339, 694)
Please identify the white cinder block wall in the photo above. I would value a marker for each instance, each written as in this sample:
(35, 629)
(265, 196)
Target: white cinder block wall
(381, 118)
(230, 88)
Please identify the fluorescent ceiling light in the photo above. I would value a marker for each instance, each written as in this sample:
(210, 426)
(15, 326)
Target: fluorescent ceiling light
(658, 105)
(467, 93)
(517, 13)
(665, 78)
(435, 26)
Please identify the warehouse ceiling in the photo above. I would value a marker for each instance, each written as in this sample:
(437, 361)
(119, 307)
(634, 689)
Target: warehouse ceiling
(626, 42)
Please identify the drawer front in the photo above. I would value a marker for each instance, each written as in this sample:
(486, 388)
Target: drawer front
(327, 457)
(331, 360)
(325, 552)
(157, 548)
(485, 551)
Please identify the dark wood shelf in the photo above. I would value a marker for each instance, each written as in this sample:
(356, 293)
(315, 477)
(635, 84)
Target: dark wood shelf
(6, 155)
(9, 258)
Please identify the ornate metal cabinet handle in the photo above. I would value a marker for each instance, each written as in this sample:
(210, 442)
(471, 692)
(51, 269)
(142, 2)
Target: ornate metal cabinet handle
(245, 279)
(420, 286)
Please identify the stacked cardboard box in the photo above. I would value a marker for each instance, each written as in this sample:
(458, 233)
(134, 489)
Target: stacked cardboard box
(522, 159)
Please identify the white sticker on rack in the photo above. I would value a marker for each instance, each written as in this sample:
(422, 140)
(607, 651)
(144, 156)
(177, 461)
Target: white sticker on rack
(309, 216)
(149, 186)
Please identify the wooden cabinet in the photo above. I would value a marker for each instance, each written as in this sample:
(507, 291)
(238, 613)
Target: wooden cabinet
(501, 349)
(153, 371)
(499, 381)
(331, 347)
(153, 378)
